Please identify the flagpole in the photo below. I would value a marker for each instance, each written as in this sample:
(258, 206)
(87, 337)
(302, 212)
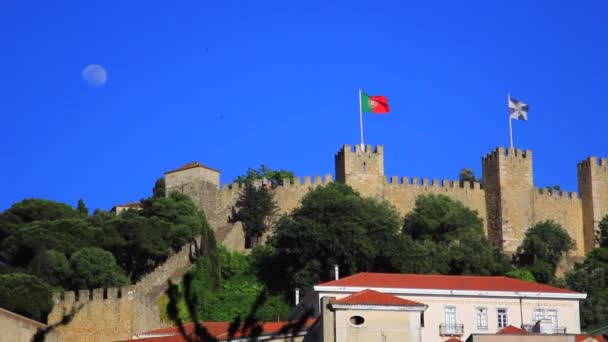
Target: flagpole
(510, 121)
(361, 121)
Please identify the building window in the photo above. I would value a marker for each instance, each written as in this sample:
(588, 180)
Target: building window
(482, 318)
(552, 315)
(364, 167)
(357, 321)
(450, 316)
(502, 318)
(537, 315)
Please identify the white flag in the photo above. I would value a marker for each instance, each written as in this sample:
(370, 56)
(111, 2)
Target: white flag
(517, 109)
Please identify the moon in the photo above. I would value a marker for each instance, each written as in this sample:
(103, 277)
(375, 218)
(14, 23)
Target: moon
(95, 75)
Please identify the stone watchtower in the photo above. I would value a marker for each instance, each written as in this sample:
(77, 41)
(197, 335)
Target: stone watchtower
(507, 176)
(202, 184)
(362, 169)
(593, 189)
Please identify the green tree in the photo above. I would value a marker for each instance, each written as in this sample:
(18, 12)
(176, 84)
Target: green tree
(521, 274)
(450, 238)
(467, 175)
(275, 177)
(603, 238)
(63, 235)
(334, 225)
(542, 248)
(82, 208)
(439, 218)
(93, 267)
(551, 189)
(52, 267)
(26, 295)
(159, 188)
(30, 210)
(255, 210)
(591, 277)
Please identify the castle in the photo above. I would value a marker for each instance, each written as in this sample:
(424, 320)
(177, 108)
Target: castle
(508, 202)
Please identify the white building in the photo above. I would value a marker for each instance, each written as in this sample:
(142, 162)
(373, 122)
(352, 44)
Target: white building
(441, 307)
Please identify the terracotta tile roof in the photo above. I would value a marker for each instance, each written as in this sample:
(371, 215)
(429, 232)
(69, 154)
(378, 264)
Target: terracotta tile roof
(589, 338)
(511, 330)
(453, 339)
(191, 166)
(371, 297)
(218, 330)
(130, 205)
(442, 282)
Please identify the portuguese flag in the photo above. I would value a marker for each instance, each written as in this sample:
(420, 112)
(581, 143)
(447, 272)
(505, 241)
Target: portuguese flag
(375, 104)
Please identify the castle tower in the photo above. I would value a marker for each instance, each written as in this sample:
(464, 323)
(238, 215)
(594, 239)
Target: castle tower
(202, 184)
(507, 176)
(361, 169)
(593, 190)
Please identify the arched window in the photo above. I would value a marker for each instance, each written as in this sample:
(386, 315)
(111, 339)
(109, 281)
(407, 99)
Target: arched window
(364, 167)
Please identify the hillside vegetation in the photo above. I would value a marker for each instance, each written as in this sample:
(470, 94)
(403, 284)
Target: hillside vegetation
(47, 246)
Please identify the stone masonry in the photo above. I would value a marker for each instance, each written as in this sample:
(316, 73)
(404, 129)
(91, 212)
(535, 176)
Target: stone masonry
(508, 202)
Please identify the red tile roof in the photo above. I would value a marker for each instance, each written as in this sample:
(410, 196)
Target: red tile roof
(583, 337)
(511, 330)
(191, 166)
(453, 339)
(130, 205)
(371, 297)
(442, 282)
(218, 330)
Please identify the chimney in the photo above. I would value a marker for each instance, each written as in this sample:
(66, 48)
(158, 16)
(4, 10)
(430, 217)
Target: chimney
(297, 296)
(337, 271)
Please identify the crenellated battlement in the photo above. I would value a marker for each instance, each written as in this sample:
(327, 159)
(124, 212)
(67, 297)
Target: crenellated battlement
(508, 202)
(558, 195)
(404, 182)
(506, 153)
(593, 162)
(379, 149)
(295, 183)
(95, 295)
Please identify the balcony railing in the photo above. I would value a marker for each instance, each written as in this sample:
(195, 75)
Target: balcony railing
(451, 329)
(535, 328)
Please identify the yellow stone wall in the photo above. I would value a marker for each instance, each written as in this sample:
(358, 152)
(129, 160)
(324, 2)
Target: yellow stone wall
(508, 203)
(593, 188)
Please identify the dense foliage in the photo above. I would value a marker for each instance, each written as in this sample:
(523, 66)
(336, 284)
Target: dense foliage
(275, 177)
(66, 248)
(334, 225)
(26, 295)
(255, 208)
(467, 175)
(542, 248)
(230, 295)
(591, 277)
(450, 239)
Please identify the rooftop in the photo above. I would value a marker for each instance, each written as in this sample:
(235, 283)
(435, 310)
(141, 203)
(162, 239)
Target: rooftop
(218, 330)
(442, 282)
(371, 297)
(511, 330)
(192, 165)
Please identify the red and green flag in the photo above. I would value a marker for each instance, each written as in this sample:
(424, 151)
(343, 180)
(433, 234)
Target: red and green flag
(376, 104)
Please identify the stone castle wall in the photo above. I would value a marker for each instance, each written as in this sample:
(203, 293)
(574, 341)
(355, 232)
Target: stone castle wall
(563, 208)
(117, 314)
(508, 202)
(593, 188)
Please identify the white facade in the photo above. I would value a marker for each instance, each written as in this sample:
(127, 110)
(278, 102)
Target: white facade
(461, 313)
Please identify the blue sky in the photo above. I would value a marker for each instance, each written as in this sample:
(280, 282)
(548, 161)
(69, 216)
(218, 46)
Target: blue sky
(235, 84)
